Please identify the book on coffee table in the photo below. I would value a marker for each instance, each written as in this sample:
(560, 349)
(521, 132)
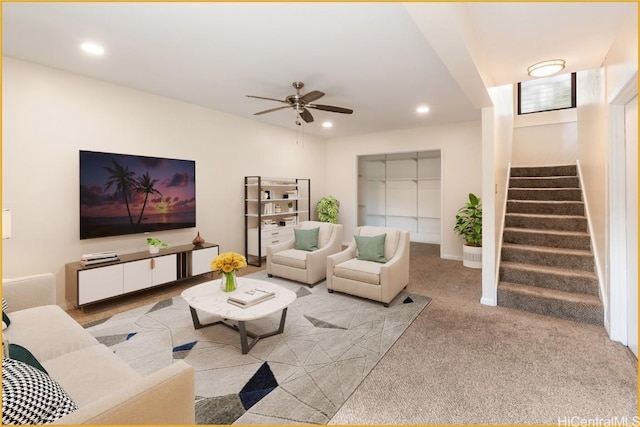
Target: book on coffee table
(250, 297)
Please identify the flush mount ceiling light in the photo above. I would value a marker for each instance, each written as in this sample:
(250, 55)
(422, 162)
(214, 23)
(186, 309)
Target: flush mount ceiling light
(92, 48)
(423, 109)
(327, 125)
(546, 68)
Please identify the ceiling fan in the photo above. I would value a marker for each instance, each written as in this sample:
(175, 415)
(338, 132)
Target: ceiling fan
(300, 103)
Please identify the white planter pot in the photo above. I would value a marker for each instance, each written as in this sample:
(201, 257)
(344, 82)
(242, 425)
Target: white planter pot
(154, 249)
(471, 256)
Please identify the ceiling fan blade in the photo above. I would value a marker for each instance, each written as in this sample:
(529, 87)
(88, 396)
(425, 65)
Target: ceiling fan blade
(312, 96)
(306, 116)
(268, 99)
(270, 110)
(330, 108)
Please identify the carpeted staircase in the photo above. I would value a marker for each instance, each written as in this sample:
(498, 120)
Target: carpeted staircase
(547, 265)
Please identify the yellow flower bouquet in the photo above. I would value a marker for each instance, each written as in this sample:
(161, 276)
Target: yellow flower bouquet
(228, 263)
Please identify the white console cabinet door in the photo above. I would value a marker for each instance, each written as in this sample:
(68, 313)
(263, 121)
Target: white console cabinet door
(149, 272)
(201, 260)
(100, 283)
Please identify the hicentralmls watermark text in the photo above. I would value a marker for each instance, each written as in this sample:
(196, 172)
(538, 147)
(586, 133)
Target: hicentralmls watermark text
(597, 421)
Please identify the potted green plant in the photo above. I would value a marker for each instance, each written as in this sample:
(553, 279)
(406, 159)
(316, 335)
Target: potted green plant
(328, 209)
(290, 206)
(155, 244)
(469, 228)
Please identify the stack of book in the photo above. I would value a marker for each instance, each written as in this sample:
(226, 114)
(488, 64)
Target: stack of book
(290, 194)
(98, 258)
(288, 221)
(269, 208)
(250, 297)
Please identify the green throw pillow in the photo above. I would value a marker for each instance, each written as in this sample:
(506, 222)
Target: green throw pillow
(18, 352)
(306, 240)
(371, 248)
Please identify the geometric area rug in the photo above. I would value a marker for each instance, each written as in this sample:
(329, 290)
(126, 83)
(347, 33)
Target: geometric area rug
(329, 345)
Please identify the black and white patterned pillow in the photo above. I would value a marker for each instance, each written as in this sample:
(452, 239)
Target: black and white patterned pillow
(5, 319)
(31, 397)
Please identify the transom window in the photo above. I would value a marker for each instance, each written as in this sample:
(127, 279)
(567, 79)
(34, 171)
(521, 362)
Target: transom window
(547, 94)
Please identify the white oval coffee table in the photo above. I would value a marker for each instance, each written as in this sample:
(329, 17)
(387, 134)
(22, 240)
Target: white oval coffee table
(209, 298)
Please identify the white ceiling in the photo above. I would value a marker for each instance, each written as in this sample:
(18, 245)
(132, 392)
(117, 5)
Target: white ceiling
(380, 59)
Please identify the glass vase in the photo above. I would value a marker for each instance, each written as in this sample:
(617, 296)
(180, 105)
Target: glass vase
(228, 281)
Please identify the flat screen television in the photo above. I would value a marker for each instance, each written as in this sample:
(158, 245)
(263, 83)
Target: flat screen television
(126, 194)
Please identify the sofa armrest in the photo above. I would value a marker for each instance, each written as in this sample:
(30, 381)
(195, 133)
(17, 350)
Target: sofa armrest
(395, 273)
(279, 247)
(166, 396)
(29, 291)
(340, 257)
(273, 249)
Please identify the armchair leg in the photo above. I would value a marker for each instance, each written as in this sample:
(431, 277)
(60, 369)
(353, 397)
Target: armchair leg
(330, 291)
(386, 304)
(269, 275)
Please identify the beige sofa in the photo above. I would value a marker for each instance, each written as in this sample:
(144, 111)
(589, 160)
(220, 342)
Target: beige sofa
(105, 389)
(309, 267)
(373, 280)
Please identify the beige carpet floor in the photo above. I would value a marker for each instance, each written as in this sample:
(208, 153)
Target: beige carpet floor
(464, 363)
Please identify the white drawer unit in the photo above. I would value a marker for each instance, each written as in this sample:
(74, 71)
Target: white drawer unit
(267, 238)
(149, 272)
(135, 272)
(99, 283)
(201, 260)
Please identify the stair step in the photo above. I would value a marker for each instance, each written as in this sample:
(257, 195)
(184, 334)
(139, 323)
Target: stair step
(564, 305)
(546, 222)
(546, 207)
(551, 238)
(545, 182)
(576, 259)
(561, 279)
(558, 170)
(563, 194)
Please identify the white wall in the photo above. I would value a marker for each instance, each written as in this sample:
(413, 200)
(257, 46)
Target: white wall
(461, 149)
(548, 138)
(49, 115)
(621, 62)
(499, 120)
(621, 85)
(593, 165)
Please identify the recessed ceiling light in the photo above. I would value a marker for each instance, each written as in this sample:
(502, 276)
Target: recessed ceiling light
(422, 109)
(546, 68)
(327, 125)
(92, 48)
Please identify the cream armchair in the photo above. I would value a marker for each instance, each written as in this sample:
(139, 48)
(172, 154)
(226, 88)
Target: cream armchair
(309, 267)
(378, 281)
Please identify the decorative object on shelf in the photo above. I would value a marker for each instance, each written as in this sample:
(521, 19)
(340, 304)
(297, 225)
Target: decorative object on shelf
(198, 241)
(290, 206)
(155, 244)
(469, 227)
(228, 263)
(328, 209)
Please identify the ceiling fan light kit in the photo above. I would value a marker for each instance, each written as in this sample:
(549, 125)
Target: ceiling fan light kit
(546, 68)
(301, 103)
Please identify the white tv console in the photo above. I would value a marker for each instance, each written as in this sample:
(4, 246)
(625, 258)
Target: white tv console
(136, 271)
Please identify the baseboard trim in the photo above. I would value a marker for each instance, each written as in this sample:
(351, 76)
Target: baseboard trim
(488, 301)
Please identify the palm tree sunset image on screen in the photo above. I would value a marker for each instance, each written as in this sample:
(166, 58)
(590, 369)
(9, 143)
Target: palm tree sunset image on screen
(125, 194)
